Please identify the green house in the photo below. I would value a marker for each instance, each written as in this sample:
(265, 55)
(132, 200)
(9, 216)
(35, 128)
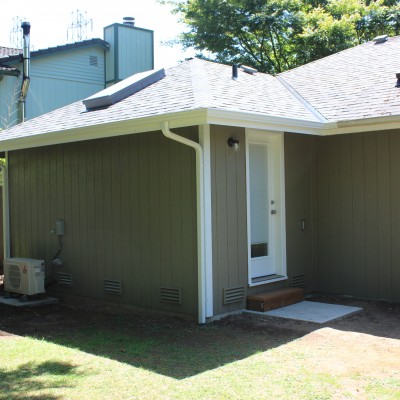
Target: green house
(186, 190)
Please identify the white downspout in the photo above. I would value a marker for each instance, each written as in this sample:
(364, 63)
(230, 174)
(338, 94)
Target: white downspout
(200, 216)
(6, 211)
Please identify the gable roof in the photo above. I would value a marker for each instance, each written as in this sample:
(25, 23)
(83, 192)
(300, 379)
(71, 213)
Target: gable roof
(353, 90)
(6, 52)
(15, 54)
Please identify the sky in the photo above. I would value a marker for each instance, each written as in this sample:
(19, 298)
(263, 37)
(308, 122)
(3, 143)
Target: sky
(50, 21)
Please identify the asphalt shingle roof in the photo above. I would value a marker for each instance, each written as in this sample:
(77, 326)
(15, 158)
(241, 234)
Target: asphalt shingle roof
(353, 84)
(192, 85)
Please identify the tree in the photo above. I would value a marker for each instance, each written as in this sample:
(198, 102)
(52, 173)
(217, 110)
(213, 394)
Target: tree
(276, 35)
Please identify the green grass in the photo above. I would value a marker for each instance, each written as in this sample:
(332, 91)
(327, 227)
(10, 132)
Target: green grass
(182, 361)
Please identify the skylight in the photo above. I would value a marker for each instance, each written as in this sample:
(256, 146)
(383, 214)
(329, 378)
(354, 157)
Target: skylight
(123, 89)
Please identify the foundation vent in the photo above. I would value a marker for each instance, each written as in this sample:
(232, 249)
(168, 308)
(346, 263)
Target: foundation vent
(113, 287)
(299, 281)
(171, 295)
(64, 279)
(233, 294)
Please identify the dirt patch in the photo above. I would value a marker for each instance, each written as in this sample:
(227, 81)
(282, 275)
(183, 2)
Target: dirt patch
(365, 345)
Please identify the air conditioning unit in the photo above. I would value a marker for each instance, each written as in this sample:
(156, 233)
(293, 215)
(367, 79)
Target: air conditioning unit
(24, 276)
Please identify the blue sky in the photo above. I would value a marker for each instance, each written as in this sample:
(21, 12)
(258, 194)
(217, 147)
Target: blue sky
(50, 20)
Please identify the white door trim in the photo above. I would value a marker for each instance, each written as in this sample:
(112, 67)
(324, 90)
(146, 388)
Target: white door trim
(276, 139)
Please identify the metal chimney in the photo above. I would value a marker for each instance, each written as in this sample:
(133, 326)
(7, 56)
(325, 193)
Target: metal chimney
(234, 72)
(26, 28)
(129, 21)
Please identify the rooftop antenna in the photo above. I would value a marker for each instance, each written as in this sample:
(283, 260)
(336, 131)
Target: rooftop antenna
(78, 29)
(16, 33)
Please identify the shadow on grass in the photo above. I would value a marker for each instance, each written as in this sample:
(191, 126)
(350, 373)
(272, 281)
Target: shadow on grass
(178, 350)
(22, 382)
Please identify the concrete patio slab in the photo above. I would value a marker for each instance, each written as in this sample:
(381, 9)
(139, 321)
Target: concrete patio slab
(312, 311)
(18, 302)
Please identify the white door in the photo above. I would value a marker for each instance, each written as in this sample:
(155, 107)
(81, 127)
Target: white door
(265, 185)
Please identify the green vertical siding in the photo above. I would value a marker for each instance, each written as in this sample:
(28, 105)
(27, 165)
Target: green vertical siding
(1, 232)
(358, 210)
(129, 205)
(300, 205)
(229, 215)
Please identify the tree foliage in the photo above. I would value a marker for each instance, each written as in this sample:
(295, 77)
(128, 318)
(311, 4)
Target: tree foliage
(276, 35)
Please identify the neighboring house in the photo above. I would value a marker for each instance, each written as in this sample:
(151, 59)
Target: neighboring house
(64, 74)
(187, 192)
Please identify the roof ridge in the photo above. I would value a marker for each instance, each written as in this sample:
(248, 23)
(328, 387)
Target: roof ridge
(200, 84)
(335, 54)
(300, 98)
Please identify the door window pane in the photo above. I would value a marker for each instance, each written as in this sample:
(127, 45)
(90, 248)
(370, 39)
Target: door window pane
(258, 173)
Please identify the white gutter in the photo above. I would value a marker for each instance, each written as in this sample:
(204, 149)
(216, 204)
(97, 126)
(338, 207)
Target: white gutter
(200, 217)
(6, 212)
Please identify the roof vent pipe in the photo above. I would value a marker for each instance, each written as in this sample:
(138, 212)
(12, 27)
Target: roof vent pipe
(129, 21)
(380, 39)
(234, 72)
(26, 28)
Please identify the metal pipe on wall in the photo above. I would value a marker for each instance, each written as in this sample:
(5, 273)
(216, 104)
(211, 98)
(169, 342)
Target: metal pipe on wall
(26, 27)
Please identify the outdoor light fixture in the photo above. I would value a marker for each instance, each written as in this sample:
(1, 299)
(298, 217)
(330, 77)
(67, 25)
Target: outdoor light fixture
(398, 80)
(233, 143)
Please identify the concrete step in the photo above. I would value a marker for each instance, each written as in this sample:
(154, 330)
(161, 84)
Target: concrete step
(274, 299)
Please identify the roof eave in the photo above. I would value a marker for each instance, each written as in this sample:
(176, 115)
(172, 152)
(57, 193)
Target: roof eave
(14, 72)
(202, 116)
(383, 123)
(96, 42)
(120, 128)
(268, 122)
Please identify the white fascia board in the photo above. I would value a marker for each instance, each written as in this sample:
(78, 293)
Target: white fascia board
(148, 124)
(200, 117)
(367, 125)
(270, 122)
(267, 122)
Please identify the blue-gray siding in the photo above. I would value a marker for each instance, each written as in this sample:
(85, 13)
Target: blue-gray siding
(131, 51)
(64, 78)
(9, 94)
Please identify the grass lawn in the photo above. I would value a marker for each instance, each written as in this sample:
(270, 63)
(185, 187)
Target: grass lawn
(121, 357)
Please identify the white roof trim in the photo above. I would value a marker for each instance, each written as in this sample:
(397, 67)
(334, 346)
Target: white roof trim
(201, 116)
(176, 120)
(270, 122)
